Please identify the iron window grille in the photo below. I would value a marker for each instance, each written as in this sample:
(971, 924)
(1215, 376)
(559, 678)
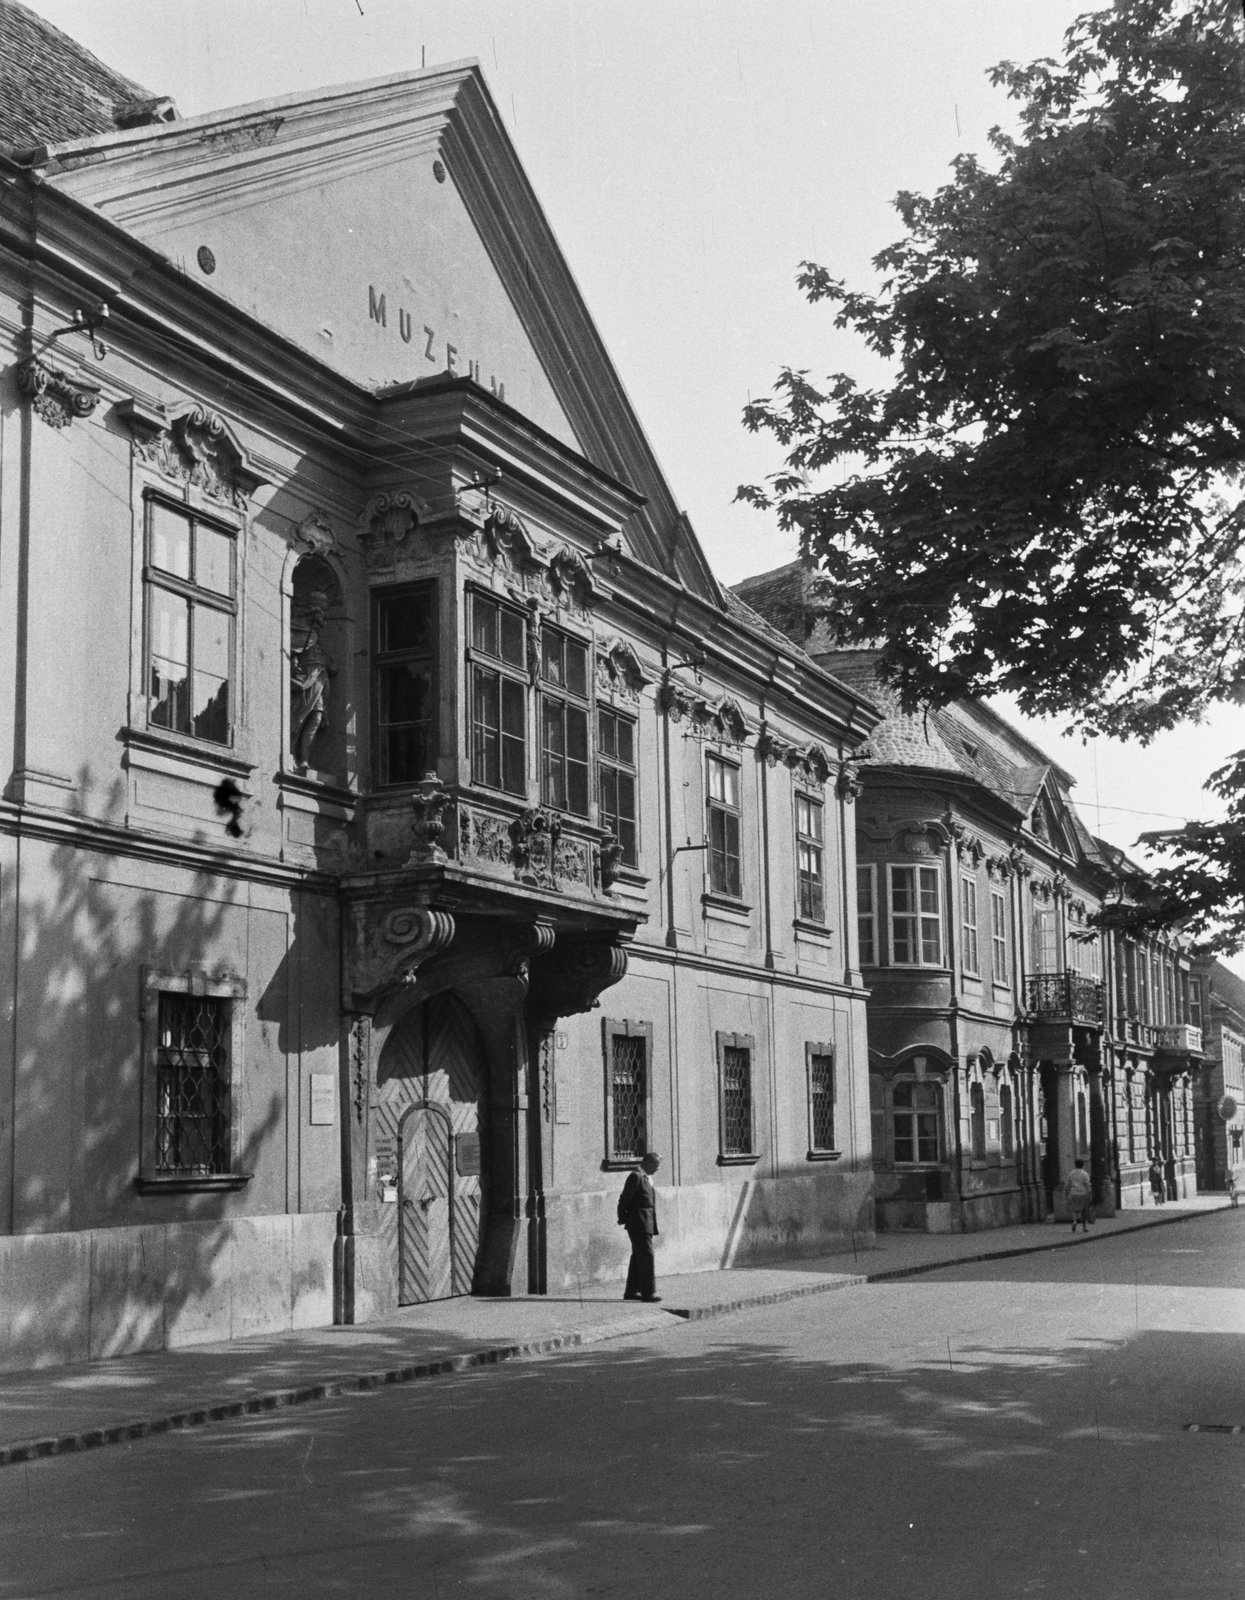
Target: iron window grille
(499, 684)
(809, 845)
(736, 1130)
(722, 786)
(819, 1059)
(193, 1029)
(404, 695)
(616, 781)
(998, 936)
(970, 954)
(628, 1090)
(916, 917)
(915, 1116)
(564, 709)
(866, 914)
(190, 583)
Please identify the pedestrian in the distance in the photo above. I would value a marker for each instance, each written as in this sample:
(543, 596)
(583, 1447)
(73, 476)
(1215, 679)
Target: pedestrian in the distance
(1079, 1191)
(1231, 1188)
(1156, 1182)
(637, 1212)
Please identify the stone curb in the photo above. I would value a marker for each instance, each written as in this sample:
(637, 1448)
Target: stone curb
(276, 1400)
(892, 1273)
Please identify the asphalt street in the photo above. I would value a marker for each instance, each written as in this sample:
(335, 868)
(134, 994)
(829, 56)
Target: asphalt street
(1010, 1428)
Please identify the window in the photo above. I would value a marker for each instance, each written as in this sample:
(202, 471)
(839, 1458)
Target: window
(809, 834)
(628, 1053)
(616, 810)
(998, 935)
(404, 699)
(916, 922)
(192, 1054)
(498, 695)
(1007, 1124)
(191, 605)
(736, 1138)
(820, 1058)
(1045, 945)
(915, 1119)
(968, 919)
(1195, 1002)
(977, 1120)
(563, 722)
(1129, 1100)
(1082, 1123)
(866, 915)
(723, 803)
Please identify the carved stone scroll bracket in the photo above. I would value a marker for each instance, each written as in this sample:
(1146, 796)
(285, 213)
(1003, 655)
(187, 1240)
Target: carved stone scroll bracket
(314, 537)
(809, 762)
(1020, 864)
(196, 448)
(574, 979)
(570, 581)
(847, 785)
(55, 395)
(387, 524)
(619, 671)
(388, 948)
(428, 802)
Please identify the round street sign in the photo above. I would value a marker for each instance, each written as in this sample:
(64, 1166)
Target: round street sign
(1226, 1108)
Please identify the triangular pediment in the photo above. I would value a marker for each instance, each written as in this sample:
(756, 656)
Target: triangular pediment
(388, 230)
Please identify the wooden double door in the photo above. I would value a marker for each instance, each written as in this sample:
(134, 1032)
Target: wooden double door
(437, 1073)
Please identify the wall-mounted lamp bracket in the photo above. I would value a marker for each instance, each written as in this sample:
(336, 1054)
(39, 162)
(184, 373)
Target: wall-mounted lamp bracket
(87, 322)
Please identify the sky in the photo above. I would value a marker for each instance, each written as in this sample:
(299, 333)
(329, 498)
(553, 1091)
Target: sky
(690, 154)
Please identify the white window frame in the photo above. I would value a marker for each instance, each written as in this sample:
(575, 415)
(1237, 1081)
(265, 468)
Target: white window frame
(869, 872)
(1000, 965)
(155, 982)
(918, 916)
(970, 952)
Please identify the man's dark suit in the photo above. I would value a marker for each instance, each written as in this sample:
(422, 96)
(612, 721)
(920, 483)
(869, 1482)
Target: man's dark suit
(637, 1211)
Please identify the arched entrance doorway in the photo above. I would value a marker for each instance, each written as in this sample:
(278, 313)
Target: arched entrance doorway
(431, 1082)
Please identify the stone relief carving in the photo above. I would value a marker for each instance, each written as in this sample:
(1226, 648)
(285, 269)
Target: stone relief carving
(619, 672)
(548, 572)
(533, 846)
(314, 537)
(609, 862)
(484, 837)
(534, 835)
(196, 448)
(386, 952)
(848, 785)
(388, 522)
(56, 396)
(721, 719)
(809, 762)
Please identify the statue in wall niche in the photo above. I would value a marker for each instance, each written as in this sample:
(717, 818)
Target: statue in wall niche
(310, 671)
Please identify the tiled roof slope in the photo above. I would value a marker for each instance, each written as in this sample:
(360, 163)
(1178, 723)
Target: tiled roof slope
(52, 89)
(1228, 988)
(964, 738)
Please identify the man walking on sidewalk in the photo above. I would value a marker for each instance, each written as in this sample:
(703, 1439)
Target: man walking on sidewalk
(637, 1212)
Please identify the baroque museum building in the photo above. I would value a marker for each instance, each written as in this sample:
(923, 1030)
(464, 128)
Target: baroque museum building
(401, 829)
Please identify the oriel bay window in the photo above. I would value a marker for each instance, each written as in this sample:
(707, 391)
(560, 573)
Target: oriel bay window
(498, 695)
(809, 835)
(404, 684)
(616, 809)
(916, 917)
(563, 722)
(722, 787)
(191, 590)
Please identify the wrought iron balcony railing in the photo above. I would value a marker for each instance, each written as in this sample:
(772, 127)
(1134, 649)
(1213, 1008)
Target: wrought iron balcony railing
(1064, 997)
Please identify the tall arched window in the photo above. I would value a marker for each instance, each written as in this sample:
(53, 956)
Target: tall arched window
(977, 1111)
(1007, 1127)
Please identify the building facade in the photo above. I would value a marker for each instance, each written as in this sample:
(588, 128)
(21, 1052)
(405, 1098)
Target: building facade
(1218, 1006)
(403, 830)
(1009, 1033)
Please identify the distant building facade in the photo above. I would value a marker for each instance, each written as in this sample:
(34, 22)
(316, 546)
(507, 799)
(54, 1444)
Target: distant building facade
(402, 829)
(1008, 1037)
(1218, 1004)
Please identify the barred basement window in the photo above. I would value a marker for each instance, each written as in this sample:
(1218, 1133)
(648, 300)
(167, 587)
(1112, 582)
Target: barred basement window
(821, 1095)
(628, 1057)
(192, 1086)
(735, 1101)
(192, 1057)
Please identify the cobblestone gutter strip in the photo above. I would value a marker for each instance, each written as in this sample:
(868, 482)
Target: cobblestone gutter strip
(277, 1399)
(723, 1308)
(892, 1273)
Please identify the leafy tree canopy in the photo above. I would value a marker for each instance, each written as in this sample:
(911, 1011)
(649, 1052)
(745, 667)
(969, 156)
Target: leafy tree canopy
(1043, 500)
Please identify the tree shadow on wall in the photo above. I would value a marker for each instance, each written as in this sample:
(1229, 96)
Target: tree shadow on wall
(85, 927)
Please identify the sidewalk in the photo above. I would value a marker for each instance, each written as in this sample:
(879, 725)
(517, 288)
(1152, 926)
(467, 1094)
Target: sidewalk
(57, 1410)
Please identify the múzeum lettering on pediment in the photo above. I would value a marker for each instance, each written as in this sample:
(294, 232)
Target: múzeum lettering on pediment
(439, 352)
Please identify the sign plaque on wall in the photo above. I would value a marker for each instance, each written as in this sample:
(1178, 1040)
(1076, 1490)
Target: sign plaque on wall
(323, 1098)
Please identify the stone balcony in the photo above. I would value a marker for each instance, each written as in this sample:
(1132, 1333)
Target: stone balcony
(1178, 1039)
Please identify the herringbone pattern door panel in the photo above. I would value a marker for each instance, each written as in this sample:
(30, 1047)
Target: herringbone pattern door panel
(426, 1265)
(455, 1073)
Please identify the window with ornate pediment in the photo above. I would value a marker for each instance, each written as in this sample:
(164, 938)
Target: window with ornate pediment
(190, 584)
